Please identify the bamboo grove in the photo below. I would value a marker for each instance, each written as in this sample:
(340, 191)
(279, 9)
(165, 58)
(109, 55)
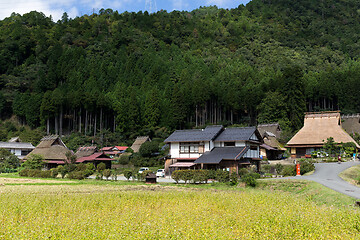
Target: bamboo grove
(126, 72)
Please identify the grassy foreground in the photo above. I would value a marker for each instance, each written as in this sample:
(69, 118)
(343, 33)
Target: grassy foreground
(351, 175)
(154, 212)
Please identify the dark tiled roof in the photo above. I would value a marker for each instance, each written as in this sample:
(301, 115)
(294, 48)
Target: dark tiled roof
(195, 135)
(216, 155)
(236, 134)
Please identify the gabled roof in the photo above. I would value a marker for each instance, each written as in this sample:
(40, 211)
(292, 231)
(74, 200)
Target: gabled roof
(100, 156)
(15, 139)
(237, 134)
(138, 142)
(274, 128)
(85, 151)
(318, 127)
(51, 148)
(106, 149)
(16, 145)
(216, 155)
(195, 135)
(121, 148)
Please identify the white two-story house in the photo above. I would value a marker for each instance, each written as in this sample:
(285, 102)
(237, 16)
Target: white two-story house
(213, 148)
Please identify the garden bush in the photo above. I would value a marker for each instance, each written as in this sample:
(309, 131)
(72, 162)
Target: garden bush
(306, 166)
(76, 175)
(249, 180)
(233, 178)
(107, 173)
(279, 167)
(222, 176)
(127, 174)
(243, 171)
(289, 170)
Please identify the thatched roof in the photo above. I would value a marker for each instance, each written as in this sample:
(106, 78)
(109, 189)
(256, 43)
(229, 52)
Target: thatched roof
(270, 127)
(15, 139)
(51, 148)
(86, 151)
(318, 127)
(351, 123)
(138, 142)
(270, 140)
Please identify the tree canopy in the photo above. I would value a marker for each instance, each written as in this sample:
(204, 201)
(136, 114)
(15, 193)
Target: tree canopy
(131, 73)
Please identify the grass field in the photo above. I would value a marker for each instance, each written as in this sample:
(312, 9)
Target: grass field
(351, 175)
(117, 211)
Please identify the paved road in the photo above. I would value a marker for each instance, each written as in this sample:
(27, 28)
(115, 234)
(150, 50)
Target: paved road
(327, 174)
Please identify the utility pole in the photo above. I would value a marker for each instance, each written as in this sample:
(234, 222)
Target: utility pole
(150, 6)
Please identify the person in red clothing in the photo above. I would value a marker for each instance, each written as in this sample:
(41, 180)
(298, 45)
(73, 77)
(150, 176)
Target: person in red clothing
(339, 159)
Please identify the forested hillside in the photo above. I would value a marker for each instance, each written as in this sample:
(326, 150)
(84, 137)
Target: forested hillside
(133, 73)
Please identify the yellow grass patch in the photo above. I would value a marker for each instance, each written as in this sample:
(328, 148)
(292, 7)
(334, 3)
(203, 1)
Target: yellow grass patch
(153, 212)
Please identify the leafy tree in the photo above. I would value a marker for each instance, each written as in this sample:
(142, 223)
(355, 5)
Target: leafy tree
(34, 161)
(8, 160)
(330, 146)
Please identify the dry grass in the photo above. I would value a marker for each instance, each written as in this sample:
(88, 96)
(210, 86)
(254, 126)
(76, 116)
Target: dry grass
(351, 175)
(29, 181)
(154, 212)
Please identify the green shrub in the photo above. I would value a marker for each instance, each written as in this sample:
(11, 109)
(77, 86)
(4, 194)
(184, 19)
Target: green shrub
(243, 171)
(176, 175)
(45, 174)
(279, 167)
(233, 178)
(127, 174)
(100, 167)
(199, 176)
(107, 173)
(54, 172)
(266, 168)
(306, 166)
(249, 180)
(289, 170)
(34, 172)
(124, 159)
(62, 170)
(222, 176)
(24, 172)
(81, 167)
(76, 175)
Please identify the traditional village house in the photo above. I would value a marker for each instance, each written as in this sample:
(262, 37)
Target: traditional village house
(213, 148)
(16, 147)
(273, 128)
(96, 158)
(351, 123)
(114, 151)
(52, 149)
(318, 127)
(138, 142)
(271, 149)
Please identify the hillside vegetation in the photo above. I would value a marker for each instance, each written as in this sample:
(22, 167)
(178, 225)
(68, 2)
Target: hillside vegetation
(133, 73)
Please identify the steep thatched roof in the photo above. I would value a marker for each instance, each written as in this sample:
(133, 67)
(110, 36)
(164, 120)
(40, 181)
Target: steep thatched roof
(318, 127)
(86, 151)
(138, 142)
(270, 140)
(270, 127)
(351, 123)
(51, 148)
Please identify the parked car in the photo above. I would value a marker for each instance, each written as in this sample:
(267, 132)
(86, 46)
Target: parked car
(160, 173)
(141, 170)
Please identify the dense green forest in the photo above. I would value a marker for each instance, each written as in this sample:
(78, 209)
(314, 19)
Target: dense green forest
(135, 73)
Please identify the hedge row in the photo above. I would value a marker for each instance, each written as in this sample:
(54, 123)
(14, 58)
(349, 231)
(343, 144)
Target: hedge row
(199, 176)
(39, 173)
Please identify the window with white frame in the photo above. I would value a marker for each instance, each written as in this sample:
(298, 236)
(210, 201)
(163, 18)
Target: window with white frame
(189, 147)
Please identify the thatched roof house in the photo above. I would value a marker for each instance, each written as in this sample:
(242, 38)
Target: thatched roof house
(138, 142)
(271, 148)
(318, 127)
(351, 123)
(52, 149)
(273, 128)
(86, 151)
